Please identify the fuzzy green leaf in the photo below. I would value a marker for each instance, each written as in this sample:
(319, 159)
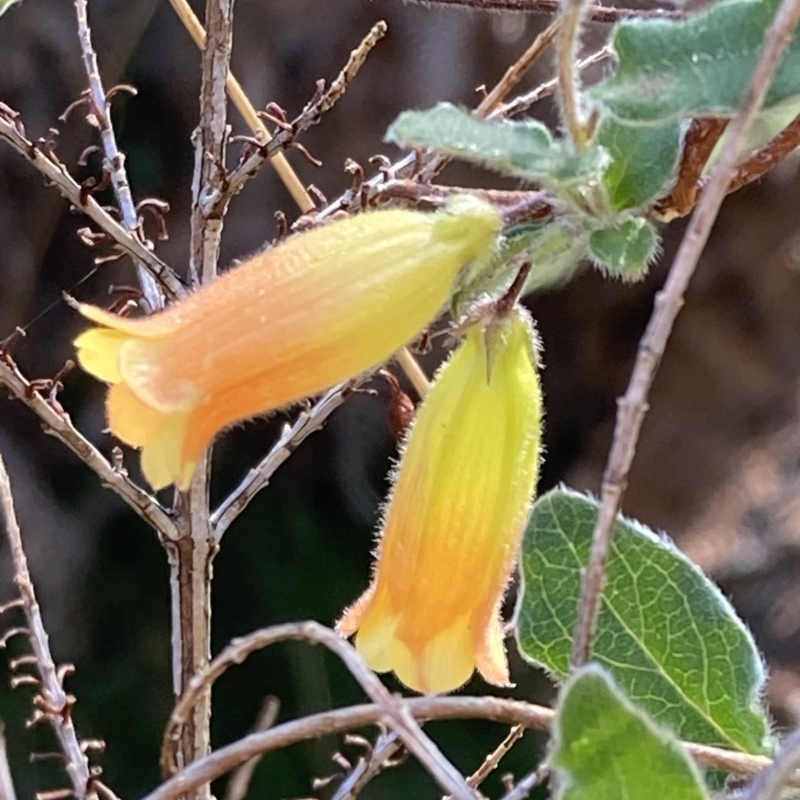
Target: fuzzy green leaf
(625, 249)
(644, 161)
(670, 639)
(700, 66)
(6, 4)
(605, 749)
(522, 149)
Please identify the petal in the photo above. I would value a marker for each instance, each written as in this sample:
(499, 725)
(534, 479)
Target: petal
(98, 353)
(490, 652)
(129, 419)
(456, 514)
(446, 663)
(163, 460)
(143, 367)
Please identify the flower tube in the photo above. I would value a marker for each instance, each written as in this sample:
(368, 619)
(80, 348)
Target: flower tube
(454, 522)
(317, 309)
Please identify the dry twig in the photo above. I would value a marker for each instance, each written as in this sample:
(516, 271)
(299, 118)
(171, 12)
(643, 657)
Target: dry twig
(101, 112)
(57, 423)
(524, 101)
(492, 761)
(293, 436)
(394, 713)
(516, 72)
(52, 702)
(380, 756)
(528, 783)
(633, 406)
(56, 173)
(594, 12)
(245, 108)
(494, 709)
(310, 115)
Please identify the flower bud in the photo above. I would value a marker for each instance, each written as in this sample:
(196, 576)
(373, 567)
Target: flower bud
(454, 522)
(317, 309)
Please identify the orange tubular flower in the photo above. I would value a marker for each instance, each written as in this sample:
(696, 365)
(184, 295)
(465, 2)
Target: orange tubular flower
(455, 518)
(315, 310)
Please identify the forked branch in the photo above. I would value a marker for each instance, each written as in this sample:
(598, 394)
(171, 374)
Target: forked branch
(394, 713)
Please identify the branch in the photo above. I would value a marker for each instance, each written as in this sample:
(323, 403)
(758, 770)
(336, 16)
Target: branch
(528, 783)
(245, 108)
(393, 712)
(493, 709)
(115, 160)
(292, 437)
(52, 702)
(517, 71)
(492, 761)
(633, 406)
(57, 423)
(55, 172)
(595, 13)
(210, 140)
(378, 757)
(311, 115)
(524, 101)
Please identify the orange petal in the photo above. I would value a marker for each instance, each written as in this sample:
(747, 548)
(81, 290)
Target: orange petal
(454, 522)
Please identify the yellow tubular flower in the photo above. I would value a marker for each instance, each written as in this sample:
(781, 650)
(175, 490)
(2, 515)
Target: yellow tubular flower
(315, 310)
(455, 518)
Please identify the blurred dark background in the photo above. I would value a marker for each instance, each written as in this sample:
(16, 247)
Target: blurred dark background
(718, 466)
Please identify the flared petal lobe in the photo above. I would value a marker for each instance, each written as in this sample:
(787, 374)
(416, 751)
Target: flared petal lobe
(454, 522)
(315, 310)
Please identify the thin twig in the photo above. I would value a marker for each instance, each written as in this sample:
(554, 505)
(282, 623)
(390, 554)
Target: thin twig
(393, 711)
(595, 13)
(292, 437)
(492, 761)
(633, 406)
(240, 780)
(53, 701)
(494, 709)
(413, 371)
(6, 782)
(524, 101)
(192, 556)
(528, 783)
(770, 784)
(58, 424)
(245, 108)
(210, 140)
(379, 757)
(517, 71)
(116, 160)
(56, 173)
(309, 116)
